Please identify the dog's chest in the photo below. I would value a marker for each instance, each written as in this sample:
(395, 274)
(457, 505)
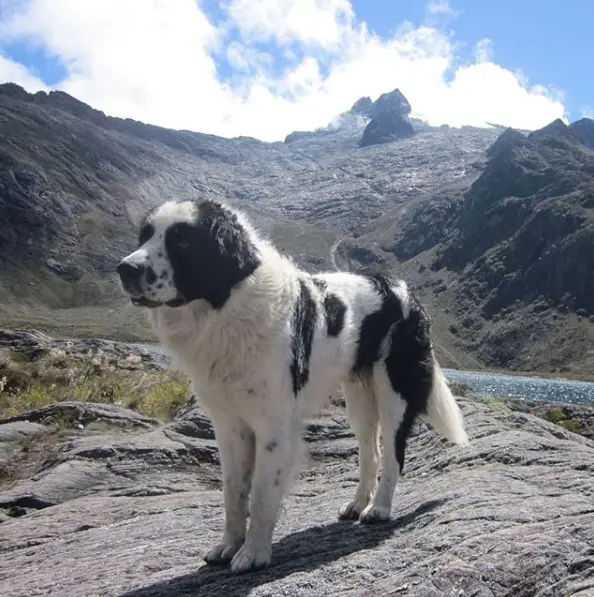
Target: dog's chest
(229, 360)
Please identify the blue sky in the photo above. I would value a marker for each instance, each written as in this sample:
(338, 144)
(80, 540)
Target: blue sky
(266, 67)
(552, 42)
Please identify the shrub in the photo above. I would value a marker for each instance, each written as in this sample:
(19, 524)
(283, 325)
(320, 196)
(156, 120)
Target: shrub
(571, 425)
(554, 415)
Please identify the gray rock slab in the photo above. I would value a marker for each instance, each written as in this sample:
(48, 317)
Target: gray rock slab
(512, 514)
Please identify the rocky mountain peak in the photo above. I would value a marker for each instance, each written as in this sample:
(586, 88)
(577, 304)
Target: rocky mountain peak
(392, 102)
(584, 130)
(362, 107)
(510, 138)
(557, 127)
(556, 135)
(54, 99)
(13, 90)
(389, 119)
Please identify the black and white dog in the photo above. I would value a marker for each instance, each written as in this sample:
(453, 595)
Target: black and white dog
(265, 344)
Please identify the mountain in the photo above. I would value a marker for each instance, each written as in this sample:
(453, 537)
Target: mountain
(367, 123)
(512, 255)
(458, 211)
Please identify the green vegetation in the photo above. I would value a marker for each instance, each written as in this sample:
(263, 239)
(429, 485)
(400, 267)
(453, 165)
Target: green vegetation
(58, 376)
(494, 402)
(571, 425)
(559, 417)
(555, 415)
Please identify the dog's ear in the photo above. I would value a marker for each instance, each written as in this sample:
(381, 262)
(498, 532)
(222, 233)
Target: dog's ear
(235, 245)
(219, 255)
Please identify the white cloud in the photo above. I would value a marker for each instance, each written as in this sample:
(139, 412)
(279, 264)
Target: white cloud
(17, 73)
(587, 112)
(483, 50)
(439, 12)
(440, 7)
(246, 59)
(320, 23)
(155, 60)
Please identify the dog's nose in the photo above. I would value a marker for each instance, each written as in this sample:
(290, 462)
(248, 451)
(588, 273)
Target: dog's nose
(130, 272)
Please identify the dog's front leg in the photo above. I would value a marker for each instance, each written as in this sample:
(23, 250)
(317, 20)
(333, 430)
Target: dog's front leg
(271, 476)
(236, 451)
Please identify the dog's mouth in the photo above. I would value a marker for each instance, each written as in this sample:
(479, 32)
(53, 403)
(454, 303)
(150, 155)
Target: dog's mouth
(142, 301)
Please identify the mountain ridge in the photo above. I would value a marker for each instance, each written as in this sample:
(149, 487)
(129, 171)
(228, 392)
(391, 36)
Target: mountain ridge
(73, 181)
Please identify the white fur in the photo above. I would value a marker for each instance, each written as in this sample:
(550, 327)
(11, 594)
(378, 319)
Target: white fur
(238, 359)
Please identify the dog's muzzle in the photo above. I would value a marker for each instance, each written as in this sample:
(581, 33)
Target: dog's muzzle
(131, 277)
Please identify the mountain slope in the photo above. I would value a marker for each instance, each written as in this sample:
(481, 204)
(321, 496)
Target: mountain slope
(511, 257)
(459, 212)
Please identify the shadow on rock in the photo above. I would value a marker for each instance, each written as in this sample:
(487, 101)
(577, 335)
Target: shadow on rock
(300, 552)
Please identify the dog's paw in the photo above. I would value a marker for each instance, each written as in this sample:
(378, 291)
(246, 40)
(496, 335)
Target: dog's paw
(350, 511)
(222, 553)
(373, 514)
(250, 558)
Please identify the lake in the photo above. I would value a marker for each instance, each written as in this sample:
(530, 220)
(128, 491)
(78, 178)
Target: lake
(528, 388)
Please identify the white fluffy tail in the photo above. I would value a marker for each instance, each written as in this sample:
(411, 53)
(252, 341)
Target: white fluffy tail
(442, 410)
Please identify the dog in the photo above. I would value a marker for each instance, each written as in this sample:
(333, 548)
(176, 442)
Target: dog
(265, 344)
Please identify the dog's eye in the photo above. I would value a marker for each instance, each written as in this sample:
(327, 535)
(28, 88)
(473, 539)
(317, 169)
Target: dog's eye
(180, 237)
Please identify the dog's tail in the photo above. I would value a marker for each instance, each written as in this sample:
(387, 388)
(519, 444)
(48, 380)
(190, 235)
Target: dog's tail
(442, 410)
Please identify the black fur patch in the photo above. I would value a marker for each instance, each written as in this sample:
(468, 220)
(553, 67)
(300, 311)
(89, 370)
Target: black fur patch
(147, 231)
(151, 277)
(335, 312)
(210, 256)
(376, 326)
(304, 320)
(409, 363)
(402, 436)
(334, 308)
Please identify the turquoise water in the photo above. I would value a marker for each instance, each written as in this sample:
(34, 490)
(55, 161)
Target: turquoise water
(528, 388)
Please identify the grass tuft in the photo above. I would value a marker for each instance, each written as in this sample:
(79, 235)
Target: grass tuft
(92, 377)
(571, 425)
(555, 415)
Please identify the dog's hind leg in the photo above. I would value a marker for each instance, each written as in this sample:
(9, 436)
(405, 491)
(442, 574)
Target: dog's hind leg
(363, 416)
(394, 421)
(236, 452)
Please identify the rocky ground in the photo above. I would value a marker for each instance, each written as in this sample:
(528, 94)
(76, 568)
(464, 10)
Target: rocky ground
(35, 344)
(574, 417)
(108, 502)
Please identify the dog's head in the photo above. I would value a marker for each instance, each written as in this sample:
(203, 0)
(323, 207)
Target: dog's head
(187, 251)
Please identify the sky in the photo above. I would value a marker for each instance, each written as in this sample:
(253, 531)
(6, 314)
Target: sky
(264, 68)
